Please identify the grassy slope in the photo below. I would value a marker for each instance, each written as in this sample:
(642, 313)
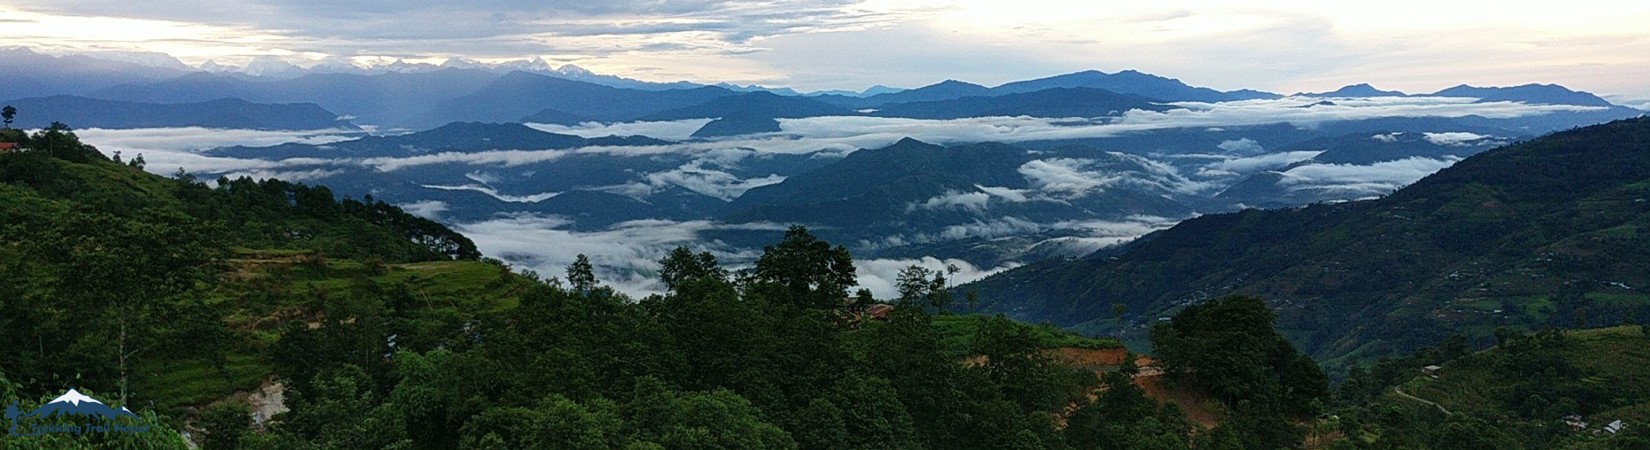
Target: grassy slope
(957, 334)
(260, 289)
(1613, 357)
(461, 288)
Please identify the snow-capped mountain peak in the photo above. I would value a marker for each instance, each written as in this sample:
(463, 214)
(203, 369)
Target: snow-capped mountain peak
(573, 71)
(461, 63)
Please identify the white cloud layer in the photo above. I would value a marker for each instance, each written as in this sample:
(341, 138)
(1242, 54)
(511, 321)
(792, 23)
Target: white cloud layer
(1245, 145)
(1236, 166)
(970, 201)
(625, 255)
(881, 276)
(532, 198)
(1066, 177)
(169, 148)
(428, 209)
(1454, 138)
(1362, 180)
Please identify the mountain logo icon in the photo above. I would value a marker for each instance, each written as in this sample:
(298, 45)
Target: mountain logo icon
(71, 403)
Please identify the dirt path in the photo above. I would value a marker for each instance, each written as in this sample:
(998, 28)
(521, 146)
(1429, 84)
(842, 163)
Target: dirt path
(1400, 391)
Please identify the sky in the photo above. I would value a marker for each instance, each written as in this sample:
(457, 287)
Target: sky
(1277, 45)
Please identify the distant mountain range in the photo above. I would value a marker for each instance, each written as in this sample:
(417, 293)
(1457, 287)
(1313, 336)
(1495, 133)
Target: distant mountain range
(1355, 90)
(422, 96)
(226, 113)
(24, 73)
(1549, 94)
(1127, 82)
(1052, 102)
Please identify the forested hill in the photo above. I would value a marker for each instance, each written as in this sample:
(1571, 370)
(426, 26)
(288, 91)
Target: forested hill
(55, 186)
(1549, 231)
(153, 289)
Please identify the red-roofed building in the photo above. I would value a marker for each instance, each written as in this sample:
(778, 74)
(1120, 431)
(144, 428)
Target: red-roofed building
(7, 146)
(879, 311)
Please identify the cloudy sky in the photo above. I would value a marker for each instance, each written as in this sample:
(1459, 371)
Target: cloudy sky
(1277, 45)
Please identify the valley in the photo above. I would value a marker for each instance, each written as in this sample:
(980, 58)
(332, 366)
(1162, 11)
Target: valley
(1025, 179)
(382, 252)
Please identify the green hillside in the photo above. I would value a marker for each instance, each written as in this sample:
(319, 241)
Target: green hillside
(172, 294)
(1545, 232)
(1517, 394)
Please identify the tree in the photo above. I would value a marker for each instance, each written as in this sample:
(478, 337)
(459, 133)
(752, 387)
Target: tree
(59, 141)
(715, 419)
(581, 275)
(110, 268)
(806, 271)
(1122, 417)
(8, 113)
(912, 283)
(1472, 434)
(1017, 366)
(939, 294)
(226, 423)
(1236, 354)
(682, 266)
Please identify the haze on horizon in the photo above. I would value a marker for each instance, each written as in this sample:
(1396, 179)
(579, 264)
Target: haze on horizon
(1284, 46)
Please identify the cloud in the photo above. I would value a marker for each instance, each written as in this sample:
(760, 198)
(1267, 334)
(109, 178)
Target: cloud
(1007, 194)
(1388, 137)
(677, 130)
(1458, 139)
(987, 229)
(1245, 145)
(812, 44)
(695, 177)
(625, 255)
(824, 136)
(486, 29)
(428, 209)
(1162, 177)
(881, 276)
(970, 201)
(296, 176)
(167, 149)
(1065, 177)
(1077, 237)
(196, 138)
(506, 158)
(532, 198)
(483, 177)
(1374, 179)
(1235, 166)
